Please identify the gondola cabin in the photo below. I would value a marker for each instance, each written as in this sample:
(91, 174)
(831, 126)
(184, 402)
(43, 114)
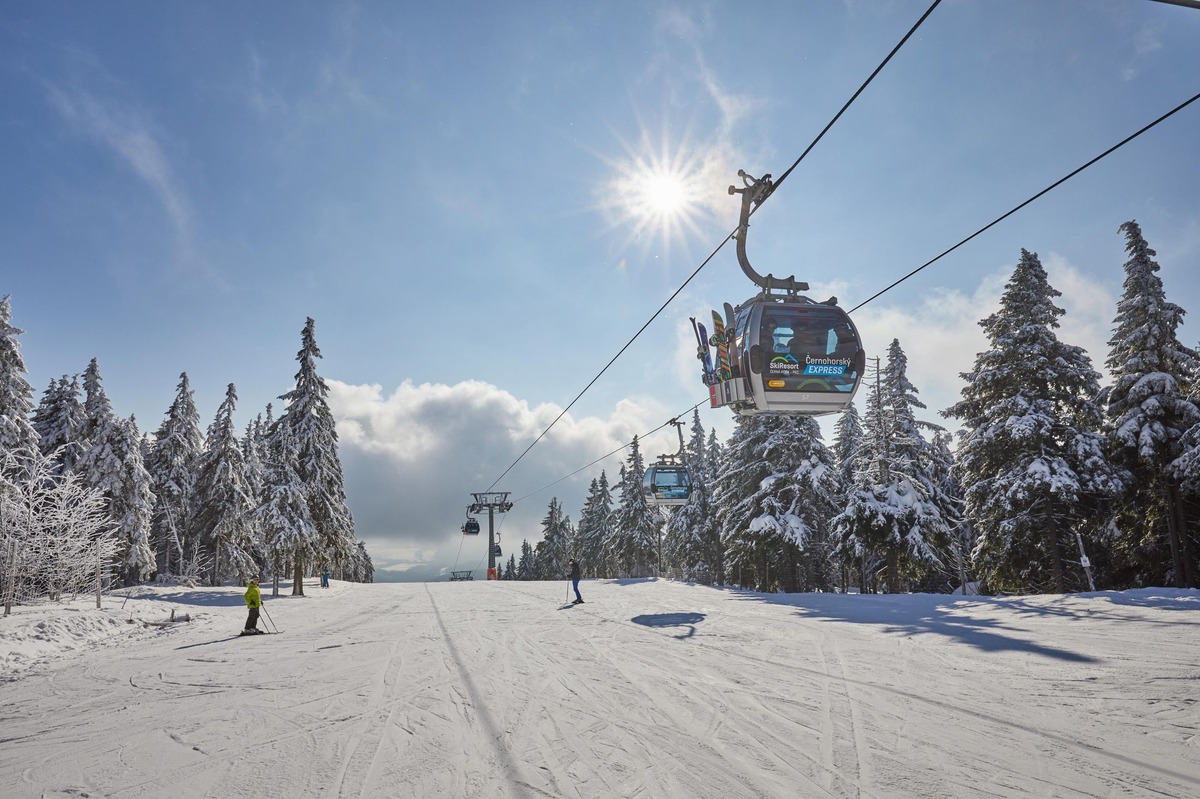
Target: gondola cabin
(789, 354)
(794, 356)
(470, 527)
(667, 484)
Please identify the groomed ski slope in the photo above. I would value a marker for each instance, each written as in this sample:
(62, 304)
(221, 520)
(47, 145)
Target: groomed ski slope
(650, 689)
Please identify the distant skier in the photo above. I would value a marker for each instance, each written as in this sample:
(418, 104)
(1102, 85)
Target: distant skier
(575, 582)
(325, 577)
(253, 602)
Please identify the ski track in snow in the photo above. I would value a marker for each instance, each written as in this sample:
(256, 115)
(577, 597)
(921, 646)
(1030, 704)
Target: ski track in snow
(649, 689)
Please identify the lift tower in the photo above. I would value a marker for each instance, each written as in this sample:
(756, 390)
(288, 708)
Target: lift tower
(493, 502)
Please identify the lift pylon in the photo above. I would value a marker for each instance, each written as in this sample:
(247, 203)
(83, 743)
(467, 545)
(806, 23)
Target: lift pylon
(493, 502)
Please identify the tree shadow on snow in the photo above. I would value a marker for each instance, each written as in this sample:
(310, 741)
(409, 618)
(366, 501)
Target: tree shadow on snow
(921, 614)
(218, 597)
(686, 620)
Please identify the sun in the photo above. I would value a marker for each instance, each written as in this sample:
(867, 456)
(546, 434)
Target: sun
(655, 193)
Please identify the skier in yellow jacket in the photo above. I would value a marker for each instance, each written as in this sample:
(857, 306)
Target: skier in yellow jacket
(254, 602)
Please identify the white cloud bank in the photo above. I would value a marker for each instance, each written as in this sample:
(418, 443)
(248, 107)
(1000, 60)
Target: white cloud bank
(413, 457)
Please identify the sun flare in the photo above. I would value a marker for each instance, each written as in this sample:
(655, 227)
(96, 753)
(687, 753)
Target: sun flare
(656, 194)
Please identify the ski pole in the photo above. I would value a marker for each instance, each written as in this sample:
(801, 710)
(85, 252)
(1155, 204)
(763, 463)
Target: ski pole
(264, 610)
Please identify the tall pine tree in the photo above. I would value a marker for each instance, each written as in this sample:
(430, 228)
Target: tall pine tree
(223, 504)
(1150, 407)
(552, 553)
(16, 394)
(634, 545)
(309, 421)
(595, 530)
(173, 462)
(692, 528)
(59, 421)
(1031, 456)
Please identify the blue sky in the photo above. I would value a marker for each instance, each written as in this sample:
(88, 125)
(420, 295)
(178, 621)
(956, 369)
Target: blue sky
(458, 195)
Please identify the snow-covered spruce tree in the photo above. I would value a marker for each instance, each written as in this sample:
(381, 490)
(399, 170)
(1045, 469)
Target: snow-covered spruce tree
(527, 565)
(595, 530)
(636, 526)
(173, 462)
(552, 554)
(256, 453)
(59, 421)
(1030, 455)
(222, 501)
(847, 445)
(778, 489)
(510, 571)
(60, 525)
(16, 394)
(310, 422)
(1150, 406)
(290, 535)
(97, 409)
(113, 465)
(912, 547)
(949, 497)
(714, 546)
(361, 569)
(850, 459)
(692, 527)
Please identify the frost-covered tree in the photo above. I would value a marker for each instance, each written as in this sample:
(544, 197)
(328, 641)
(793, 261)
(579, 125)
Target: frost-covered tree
(949, 496)
(97, 409)
(527, 566)
(113, 465)
(714, 546)
(59, 528)
(692, 528)
(310, 422)
(360, 569)
(1030, 456)
(595, 530)
(552, 553)
(256, 453)
(920, 528)
(222, 501)
(777, 491)
(284, 518)
(16, 394)
(847, 445)
(634, 544)
(59, 421)
(173, 462)
(1150, 407)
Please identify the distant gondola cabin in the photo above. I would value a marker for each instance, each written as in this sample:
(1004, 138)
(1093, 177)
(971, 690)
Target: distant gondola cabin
(667, 484)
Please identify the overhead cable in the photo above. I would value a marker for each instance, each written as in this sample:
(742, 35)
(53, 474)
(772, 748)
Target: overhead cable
(1052, 186)
(724, 241)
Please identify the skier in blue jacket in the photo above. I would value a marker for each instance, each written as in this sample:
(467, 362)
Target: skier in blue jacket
(575, 581)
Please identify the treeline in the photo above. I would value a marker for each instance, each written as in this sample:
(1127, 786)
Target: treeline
(1054, 483)
(180, 504)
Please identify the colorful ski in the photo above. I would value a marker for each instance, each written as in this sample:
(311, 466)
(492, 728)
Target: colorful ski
(731, 334)
(718, 339)
(702, 351)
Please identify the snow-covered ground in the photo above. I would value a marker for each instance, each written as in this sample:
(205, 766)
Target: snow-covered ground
(650, 689)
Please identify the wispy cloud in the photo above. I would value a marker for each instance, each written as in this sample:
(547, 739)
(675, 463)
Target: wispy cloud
(128, 133)
(334, 84)
(132, 135)
(1146, 42)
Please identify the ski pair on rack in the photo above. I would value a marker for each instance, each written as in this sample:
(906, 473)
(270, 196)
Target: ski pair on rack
(721, 339)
